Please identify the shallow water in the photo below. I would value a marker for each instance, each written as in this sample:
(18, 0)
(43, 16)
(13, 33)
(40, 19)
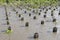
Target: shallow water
(20, 32)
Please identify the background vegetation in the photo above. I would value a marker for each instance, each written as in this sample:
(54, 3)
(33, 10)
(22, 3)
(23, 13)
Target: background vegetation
(31, 3)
